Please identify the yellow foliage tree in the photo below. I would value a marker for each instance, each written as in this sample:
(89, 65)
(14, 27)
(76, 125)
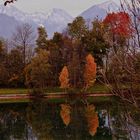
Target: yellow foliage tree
(90, 71)
(65, 113)
(64, 78)
(92, 119)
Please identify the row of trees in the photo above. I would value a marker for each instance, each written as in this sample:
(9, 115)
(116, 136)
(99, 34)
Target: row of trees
(114, 42)
(42, 67)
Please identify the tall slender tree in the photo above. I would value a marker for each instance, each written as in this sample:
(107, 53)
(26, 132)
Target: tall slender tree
(24, 38)
(41, 41)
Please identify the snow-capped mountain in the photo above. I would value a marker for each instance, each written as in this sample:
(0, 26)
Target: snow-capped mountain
(54, 20)
(100, 10)
(109, 6)
(57, 18)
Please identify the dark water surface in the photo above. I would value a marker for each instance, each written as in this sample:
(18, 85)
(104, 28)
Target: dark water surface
(70, 120)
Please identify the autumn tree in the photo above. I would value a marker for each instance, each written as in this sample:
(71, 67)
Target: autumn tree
(119, 23)
(119, 29)
(64, 78)
(90, 71)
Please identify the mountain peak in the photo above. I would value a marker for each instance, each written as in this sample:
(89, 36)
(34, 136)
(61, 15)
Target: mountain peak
(100, 10)
(109, 5)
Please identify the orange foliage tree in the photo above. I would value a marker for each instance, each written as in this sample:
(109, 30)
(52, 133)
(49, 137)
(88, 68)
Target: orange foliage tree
(64, 78)
(119, 23)
(92, 119)
(90, 71)
(65, 113)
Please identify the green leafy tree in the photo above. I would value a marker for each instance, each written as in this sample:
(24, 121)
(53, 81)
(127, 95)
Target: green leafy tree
(3, 58)
(15, 66)
(3, 75)
(3, 50)
(41, 41)
(56, 62)
(38, 71)
(76, 63)
(77, 29)
(95, 42)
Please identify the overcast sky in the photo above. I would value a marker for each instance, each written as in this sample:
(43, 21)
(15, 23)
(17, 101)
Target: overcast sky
(73, 7)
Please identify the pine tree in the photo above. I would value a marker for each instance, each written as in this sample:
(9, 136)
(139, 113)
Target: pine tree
(41, 41)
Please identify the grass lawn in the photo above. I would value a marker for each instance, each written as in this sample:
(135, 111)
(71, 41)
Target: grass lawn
(58, 100)
(2, 101)
(94, 89)
(13, 91)
(98, 89)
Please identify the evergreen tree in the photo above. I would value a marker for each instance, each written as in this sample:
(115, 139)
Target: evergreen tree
(41, 41)
(95, 42)
(77, 29)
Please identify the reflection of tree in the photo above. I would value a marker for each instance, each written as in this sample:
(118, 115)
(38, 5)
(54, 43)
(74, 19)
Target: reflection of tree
(65, 113)
(81, 119)
(125, 121)
(12, 125)
(92, 119)
(38, 120)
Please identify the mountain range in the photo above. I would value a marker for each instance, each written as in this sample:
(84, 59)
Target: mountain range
(54, 20)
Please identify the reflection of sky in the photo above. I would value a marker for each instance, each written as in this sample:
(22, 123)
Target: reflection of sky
(73, 7)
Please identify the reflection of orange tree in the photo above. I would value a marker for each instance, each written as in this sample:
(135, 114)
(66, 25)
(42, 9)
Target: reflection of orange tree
(65, 113)
(92, 119)
(90, 116)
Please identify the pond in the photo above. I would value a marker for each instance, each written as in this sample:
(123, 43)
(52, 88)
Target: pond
(69, 120)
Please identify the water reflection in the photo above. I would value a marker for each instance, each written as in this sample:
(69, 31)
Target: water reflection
(79, 120)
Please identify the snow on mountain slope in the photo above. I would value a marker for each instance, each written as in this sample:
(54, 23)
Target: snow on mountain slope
(100, 10)
(54, 20)
(57, 18)
(109, 6)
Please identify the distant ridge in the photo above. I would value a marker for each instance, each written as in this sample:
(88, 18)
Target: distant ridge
(54, 20)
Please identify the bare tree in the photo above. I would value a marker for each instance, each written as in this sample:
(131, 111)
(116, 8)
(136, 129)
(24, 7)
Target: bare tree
(123, 72)
(24, 39)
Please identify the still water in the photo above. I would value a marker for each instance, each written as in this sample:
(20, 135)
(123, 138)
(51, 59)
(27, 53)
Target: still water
(69, 120)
